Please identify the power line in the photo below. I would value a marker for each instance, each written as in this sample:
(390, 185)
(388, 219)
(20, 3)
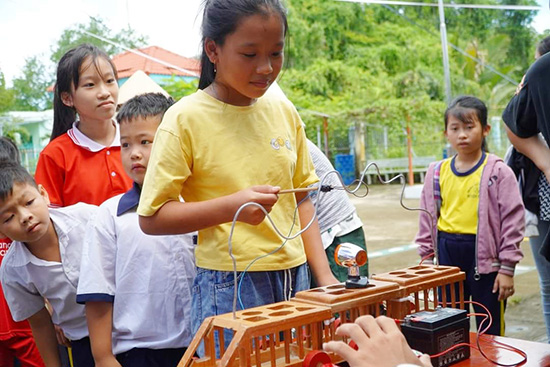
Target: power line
(139, 53)
(455, 47)
(456, 6)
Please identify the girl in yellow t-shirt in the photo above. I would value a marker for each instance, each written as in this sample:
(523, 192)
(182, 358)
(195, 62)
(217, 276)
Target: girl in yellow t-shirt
(227, 145)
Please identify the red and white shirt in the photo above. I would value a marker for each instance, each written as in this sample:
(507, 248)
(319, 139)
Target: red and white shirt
(73, 168)
(8, 327)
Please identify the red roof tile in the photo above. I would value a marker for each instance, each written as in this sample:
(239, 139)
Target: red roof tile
(128, 63)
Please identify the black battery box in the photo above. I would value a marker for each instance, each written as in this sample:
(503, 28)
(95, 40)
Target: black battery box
(432, 332)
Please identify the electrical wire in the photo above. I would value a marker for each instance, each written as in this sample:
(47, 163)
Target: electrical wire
(321, 190)
(455, 47)
(481, 330)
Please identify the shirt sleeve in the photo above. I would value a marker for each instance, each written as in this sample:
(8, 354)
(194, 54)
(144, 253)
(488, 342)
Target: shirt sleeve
(52, 176)
(22, 297)
(528, 112)
(168, 168)
(520, 115)
(305, 171)
(97, 268)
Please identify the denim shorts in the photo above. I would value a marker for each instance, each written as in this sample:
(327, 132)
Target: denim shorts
(213, 291)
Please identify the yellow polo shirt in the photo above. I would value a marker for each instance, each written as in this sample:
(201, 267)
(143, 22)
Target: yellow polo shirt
(459, 197)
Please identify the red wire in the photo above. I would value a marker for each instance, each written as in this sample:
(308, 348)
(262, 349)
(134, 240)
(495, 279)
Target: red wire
(431, 254)
(481, 333)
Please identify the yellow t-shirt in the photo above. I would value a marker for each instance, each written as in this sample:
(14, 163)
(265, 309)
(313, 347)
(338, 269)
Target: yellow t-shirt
(459, 197)
(205, 149)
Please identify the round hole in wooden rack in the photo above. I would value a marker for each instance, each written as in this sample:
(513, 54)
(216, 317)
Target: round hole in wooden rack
(250, 313)
(425, 272)
(255, 319)
(280, 313)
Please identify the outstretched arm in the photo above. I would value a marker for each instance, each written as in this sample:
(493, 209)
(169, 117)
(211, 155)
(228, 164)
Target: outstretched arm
(45, 338)
(380, 344)
(176, 217)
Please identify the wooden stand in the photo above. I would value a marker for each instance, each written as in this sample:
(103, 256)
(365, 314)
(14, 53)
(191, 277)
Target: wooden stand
(422, 285)
(282, 334)
(346, 305)
(279, 334)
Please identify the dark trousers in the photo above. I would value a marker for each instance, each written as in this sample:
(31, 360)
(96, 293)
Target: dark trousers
(143, 357)
(459, 250)
(82, 353)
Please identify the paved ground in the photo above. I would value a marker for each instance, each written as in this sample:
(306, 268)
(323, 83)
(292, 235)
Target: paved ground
(390, 231)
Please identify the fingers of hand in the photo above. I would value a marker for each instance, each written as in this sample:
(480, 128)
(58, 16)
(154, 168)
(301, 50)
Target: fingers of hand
(425, 360)
(505, 292)
(340, 348)
(354, 331)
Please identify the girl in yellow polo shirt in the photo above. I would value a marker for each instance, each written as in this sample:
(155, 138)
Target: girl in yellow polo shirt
(477, 215)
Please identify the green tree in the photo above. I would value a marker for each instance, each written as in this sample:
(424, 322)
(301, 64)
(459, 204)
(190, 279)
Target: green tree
(6, 95)
(178, 88)
(84, 33)
(30, 89)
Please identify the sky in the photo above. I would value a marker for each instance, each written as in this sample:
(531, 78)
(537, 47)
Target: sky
(30, 27)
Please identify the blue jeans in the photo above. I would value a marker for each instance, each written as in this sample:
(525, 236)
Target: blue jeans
(543, 269)
(213, 292)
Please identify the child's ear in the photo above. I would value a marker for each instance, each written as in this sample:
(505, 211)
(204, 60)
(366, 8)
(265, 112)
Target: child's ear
(486, 130)
(67, 99)
(44, 194)
(211, 49)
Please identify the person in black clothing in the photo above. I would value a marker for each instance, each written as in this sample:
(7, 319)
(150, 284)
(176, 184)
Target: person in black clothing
(527, 117)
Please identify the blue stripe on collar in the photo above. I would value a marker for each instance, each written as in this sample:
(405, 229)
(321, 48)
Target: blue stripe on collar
(129, 200)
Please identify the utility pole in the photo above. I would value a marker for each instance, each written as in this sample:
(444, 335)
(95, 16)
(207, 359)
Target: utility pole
(445, 49)
(443, 27)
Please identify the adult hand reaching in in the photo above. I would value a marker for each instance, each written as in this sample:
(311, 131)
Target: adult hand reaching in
(380, 344)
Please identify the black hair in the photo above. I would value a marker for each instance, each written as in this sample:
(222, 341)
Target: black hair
(68, 75)
(221, 18)
(468, 109)
(144, 105)
(543, 46)
(12, 173)
(8, 150)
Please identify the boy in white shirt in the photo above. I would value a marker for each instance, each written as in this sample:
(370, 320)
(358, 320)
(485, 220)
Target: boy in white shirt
(136, 287)
(43, 263)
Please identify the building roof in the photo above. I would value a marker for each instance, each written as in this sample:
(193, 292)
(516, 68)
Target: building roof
(128, 63)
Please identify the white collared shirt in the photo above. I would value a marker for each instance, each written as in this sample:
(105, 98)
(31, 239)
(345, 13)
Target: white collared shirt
(27, 280)
(148, 279)
(82, 140)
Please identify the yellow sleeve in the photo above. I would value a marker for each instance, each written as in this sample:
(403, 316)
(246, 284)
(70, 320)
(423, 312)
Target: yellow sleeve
(168, 168)
(305, 171)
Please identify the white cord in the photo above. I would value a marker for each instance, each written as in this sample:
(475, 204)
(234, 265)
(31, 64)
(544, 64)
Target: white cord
(360, 182)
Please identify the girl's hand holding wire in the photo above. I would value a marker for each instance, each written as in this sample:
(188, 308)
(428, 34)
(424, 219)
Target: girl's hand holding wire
(264, 195)
(379, 342)
(504, 285)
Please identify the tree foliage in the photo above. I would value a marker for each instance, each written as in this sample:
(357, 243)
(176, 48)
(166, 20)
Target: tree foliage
(6, 95)
(30, 89)
(381, 67)
(178, 88)
(89, 33)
